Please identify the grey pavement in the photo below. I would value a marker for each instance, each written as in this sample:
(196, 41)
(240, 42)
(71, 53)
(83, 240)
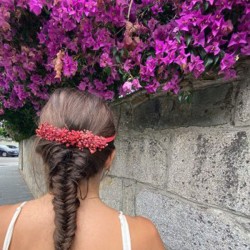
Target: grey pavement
(13, 188)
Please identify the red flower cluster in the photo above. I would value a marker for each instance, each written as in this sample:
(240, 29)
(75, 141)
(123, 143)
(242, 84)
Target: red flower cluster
(79, 139)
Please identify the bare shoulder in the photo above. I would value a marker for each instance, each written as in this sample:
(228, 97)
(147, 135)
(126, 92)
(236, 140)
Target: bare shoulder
(146, 233)
(6, 213)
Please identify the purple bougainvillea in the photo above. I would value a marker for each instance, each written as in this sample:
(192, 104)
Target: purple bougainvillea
(114, 48)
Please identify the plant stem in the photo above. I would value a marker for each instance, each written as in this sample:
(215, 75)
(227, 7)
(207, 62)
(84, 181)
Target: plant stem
(129, 8)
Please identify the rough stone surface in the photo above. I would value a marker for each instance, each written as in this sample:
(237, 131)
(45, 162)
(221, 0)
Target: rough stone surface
(111, 192)
(128, 196)
(242, 114)
(208, 107)
(185, 226)
(32, 168)
(212, 166)
(142, 157)
(123, 116)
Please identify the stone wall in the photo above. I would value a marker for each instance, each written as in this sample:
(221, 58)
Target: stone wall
(186, 166)
(32, 168)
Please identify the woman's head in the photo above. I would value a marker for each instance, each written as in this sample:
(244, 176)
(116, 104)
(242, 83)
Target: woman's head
(66, 167)
(76, 110)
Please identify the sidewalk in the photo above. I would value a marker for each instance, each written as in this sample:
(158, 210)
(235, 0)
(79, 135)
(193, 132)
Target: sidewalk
(13, 188)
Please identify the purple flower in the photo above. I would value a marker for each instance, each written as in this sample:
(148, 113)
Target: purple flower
(160, 33)
(18, 70)
(227, 62)
(196, 66)
(152, 23)
(4, 18)
(246, 49)
(92, 33)
(172, 85)
(83, 85)
(205, 21)
(228, 73)
(108, 95)
(156, 9)
(136, 84)
(69, 24)
(102, 39)
(213, 48)
(20, 92)
(37, 88)
(184, 22)
(169, 58)
(69, 66)
(128, 65)
(100, 86)
(226, 28)
(160, 47)
(216, 26)
(152, 88)
(199, 39)
(90, 7)
(225, 4)
(36, 6)
(182, 59)
(105, 60)
(148, 70)
(238, 39)
(127, 87)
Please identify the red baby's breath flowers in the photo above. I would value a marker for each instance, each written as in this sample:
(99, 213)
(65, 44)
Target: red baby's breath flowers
(80, 139)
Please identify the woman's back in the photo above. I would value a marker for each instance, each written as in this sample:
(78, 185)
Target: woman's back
(98, 227)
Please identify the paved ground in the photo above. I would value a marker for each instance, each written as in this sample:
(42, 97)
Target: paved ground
(12, 186)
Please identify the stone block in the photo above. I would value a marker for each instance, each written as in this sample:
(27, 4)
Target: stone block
(123, 115)
(212, 166)
(142, 157)
(128, 197)
(147, 114)
(242, 109)
(33, 168)
(111, 192)
(208, 107)
(186, 226)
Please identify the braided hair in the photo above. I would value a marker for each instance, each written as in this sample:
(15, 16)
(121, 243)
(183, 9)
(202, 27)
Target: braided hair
(67, 167)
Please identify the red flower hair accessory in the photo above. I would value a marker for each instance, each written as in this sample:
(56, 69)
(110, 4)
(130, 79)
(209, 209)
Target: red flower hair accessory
(80, 139)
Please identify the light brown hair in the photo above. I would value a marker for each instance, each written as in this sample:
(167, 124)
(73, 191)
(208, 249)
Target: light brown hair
(67, 167)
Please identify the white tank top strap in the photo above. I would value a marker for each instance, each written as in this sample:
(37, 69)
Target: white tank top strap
(126, 240)
(10, 229)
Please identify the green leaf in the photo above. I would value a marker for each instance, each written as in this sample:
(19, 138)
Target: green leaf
(122, 53)
(124, 77)
(118, 59)
(188, 39)
(180, 97)
(216, 59)
(107, 70)
(206, 5)
(178, 36)
(202, 52)
(114, 51)
(188, 98)
(208, 61)
(120, 71)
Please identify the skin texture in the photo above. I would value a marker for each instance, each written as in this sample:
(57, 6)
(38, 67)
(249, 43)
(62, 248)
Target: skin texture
(98, 226)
